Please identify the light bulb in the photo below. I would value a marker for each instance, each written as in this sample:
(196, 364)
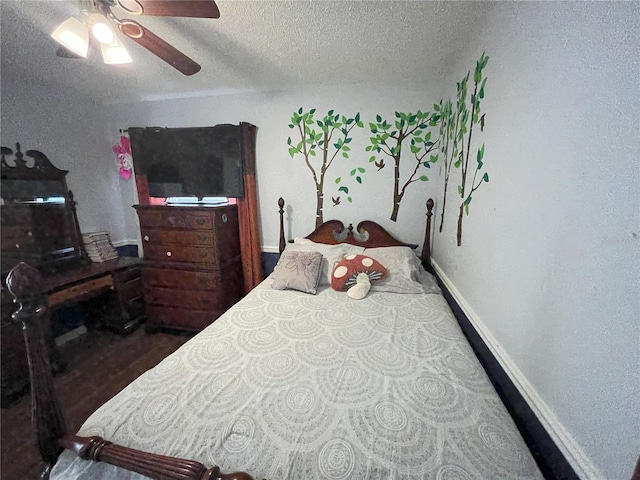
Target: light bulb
(100, 28)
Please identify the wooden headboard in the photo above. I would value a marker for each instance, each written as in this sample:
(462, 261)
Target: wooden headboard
(367, 234)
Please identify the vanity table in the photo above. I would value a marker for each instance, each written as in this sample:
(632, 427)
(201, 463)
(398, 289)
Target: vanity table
(40, 227)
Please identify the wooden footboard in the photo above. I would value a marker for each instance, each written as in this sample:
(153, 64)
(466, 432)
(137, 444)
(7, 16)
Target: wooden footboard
(25, 284)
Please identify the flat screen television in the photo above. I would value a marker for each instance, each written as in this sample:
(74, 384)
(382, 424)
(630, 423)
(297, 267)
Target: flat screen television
(189, 162)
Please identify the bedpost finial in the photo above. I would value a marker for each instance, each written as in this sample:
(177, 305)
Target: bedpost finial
(430, 204)
(24, 283)
(281, 203)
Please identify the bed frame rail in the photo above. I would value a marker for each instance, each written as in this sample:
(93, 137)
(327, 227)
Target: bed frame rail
(25, 284)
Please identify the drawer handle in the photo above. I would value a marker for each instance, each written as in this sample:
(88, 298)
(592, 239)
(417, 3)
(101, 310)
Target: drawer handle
(168, 254)
(224, 218)
(146, 238)
(202, 236)
(200, 221)
(29, 234)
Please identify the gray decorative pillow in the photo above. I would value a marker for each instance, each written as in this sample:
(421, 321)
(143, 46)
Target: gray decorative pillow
(298, 271)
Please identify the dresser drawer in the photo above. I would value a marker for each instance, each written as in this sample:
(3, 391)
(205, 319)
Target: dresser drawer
(169, 217)
(180, 317)
(130, 289)
(174, 252)
(185, 237)
(182, 298)
(124, 276)
(181, 279)
(17, 239)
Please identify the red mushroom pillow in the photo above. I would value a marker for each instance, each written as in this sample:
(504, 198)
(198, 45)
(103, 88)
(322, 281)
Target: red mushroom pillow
(346, 271)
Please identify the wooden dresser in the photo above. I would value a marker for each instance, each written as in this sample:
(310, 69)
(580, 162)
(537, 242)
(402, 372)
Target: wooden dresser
(192, 269)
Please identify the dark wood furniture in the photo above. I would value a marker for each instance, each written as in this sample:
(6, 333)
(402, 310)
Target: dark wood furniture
(50, 430)
(122, 309)
(192, 271)
(40, 226)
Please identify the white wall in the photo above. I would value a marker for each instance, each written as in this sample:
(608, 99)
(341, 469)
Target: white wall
(280, 175)
(68, 130)
(549, 265)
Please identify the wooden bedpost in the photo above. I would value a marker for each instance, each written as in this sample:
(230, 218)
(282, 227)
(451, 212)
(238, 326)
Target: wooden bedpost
(25, 284)
(426, 246)
(283, 241)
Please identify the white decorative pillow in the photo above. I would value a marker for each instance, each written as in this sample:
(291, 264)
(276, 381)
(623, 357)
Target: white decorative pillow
(331, 254)
(298, 271)
(403, 267)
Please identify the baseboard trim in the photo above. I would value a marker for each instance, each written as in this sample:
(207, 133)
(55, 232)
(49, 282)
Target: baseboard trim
(121, 243)
(555, 450)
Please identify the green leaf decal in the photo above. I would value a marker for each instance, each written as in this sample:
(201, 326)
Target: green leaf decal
(426, 164)
(344, 189)
(361, 170)
(485, 177)
(459, 189)
(378, 118)
(338, 180)
(424, 178)
(353, 172)
(433, 158)
(349, 199)
(466, 209)
(358, 179)
(372, 158)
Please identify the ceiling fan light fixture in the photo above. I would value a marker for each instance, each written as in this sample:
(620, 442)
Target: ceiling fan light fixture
(100, 28)
(115, 53)
(74, 35)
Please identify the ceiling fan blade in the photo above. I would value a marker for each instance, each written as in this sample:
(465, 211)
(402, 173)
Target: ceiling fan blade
(173, 8)
(159, 47)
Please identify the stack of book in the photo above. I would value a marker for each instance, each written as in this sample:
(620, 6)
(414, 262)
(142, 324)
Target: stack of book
(98, 246)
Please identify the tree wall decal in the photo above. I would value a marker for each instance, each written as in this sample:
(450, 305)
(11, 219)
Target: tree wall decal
(389, 138)
(456, 132)
(314, 141)
(462, 162)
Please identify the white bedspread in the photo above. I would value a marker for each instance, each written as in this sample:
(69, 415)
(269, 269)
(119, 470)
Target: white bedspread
(288, 385)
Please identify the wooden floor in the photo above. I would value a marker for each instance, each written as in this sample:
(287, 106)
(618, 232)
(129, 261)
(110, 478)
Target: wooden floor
(100, 365)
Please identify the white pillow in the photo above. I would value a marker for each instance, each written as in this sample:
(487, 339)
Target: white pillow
(331, 254)
(403, 270)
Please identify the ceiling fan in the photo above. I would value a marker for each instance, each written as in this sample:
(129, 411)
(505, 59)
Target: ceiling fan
(98, 17)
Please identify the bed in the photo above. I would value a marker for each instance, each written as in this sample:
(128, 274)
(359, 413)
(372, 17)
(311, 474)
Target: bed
(290, 385)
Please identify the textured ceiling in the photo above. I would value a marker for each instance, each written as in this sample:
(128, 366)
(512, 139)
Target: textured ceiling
(254, 45)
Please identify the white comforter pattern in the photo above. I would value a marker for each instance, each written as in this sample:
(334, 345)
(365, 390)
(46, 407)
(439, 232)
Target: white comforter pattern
(288, 385)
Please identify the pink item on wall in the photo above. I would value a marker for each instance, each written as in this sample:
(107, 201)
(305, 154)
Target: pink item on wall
(125, 161)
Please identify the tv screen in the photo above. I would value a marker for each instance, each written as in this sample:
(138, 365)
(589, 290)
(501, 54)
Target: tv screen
(189, 162)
